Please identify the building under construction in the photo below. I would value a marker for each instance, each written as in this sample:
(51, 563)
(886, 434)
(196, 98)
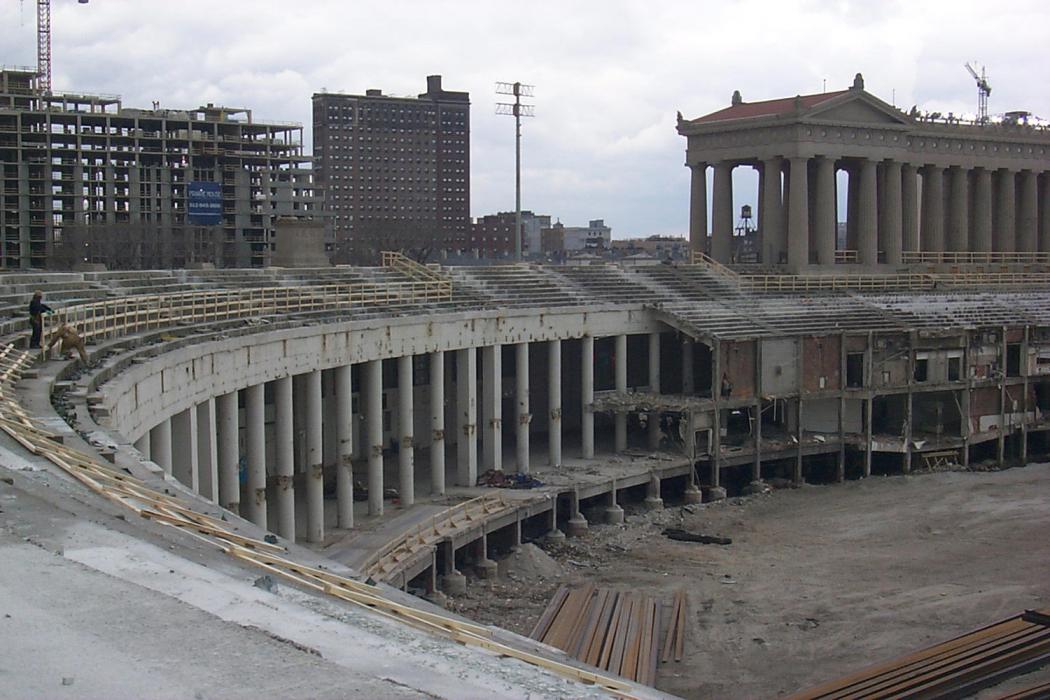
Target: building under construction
(199, 185)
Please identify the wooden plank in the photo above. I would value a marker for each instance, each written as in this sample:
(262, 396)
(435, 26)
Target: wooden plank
(679, 644)
(604, 660)
(544, 623)
(623, 622)
(580, 618)
(582, 645)
(593, 655)
(672, 625)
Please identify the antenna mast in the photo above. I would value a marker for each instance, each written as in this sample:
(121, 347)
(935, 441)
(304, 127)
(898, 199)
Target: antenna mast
(518, 110)
(984, 89)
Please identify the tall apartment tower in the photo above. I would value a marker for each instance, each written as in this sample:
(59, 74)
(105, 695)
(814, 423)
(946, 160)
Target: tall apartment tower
(199, 185)
(396, 170)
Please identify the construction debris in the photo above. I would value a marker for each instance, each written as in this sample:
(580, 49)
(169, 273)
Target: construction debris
(498, 479)
(615, 631)
(673, 533)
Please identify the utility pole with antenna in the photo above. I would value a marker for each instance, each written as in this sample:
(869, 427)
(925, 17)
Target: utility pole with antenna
(984, 89)
(518, 110)
(43, 43)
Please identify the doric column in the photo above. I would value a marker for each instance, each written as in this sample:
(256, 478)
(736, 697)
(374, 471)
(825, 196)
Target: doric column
(554, 402)
(255, 440)
(226, 411)
(893, 216)
(1028, 216)
(184, 458)
(722, 221)
(587, 395)
(467, 410)
(852, 204)
(909, 208)
(868, 215)
(933, 209)
(770, 212)
(284, 456)
(654, 387)
(1004, 238)
(621, 386)
(521, 394)
(798, 213)
(373, 403)
(824, 220)
(698, 207)
(207, 452)
(1044, 220)
(492, 407)
(314, 457)
(437, 423)
(344, 438)
(406, 454)
(982, 211)
(958, 217)
(160, 445)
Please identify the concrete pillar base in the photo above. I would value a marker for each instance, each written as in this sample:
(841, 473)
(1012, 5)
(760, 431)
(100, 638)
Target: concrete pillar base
(577, 525)
(716, 493)
(614, 515)
(437, 598)
(556, 535)
(654, 503)
(486, 568)
(454, 583)
(693, 495)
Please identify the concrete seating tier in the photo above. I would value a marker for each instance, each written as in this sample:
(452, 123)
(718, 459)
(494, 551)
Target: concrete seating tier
(518, 285)
(607, 282)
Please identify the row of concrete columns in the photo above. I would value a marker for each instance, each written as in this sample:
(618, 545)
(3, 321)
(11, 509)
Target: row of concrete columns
(959, 209)
(201, 446)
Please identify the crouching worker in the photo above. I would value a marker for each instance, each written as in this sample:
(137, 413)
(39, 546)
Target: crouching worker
(70, 340)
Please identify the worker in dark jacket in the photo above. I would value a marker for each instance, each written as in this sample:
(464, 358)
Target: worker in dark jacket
(36, 319)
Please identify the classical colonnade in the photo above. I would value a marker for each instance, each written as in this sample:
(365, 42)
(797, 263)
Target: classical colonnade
(205, 445)
(893, 207)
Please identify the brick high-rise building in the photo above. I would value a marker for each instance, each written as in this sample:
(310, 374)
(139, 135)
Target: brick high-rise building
(396, 169)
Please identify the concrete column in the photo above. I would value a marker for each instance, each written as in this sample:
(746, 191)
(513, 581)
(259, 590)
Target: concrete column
(160, 445)
(284, 456)
(653, 501)
(933, 209)
(621, 386)
(867, 215)
(893, 229)
(958, 221)
(1044, 219)
(467, 410)
(229, 451)
(698, 207)
(1028, 216)
(1005, 236)
(255, 440)
(654, 387)
(798, 213)
(688, 385)
(406, 455)
(492, 407)
(437, 423)
(554, 402)
(373, 403)
(314, 457)
(207, 451)
(771, 212)
(184, 458)
(344, 437)
(521, 393)
(982, 212)
(910, 207)
(142, 444)
(587, 395)
(613, 511)
(722, 220)
(824, 222)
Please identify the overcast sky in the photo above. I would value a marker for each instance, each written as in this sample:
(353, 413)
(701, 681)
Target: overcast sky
(609, 75)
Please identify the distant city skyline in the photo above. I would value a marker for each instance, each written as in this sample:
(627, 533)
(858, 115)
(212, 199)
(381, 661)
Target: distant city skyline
(609, 77)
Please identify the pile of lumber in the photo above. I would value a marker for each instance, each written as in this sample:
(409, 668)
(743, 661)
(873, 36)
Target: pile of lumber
(615, 631)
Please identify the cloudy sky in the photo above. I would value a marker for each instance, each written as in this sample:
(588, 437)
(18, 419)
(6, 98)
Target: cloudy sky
(609, 75)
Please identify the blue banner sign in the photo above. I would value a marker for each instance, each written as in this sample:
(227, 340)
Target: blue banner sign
(204, 201)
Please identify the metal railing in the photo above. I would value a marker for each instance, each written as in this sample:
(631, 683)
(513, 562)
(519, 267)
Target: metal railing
(965, 257)
(117, 317)
(846, 257)
(813, 283)
(703, 259)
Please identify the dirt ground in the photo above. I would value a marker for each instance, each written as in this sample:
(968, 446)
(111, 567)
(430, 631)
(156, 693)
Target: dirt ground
(819, 581)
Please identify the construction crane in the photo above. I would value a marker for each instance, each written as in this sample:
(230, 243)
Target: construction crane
(43, 43)
(983, 91)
